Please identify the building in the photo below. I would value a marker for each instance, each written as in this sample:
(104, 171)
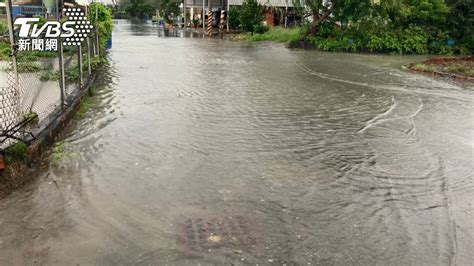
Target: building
(273, 11)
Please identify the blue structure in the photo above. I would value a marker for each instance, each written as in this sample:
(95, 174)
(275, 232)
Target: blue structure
(108, 44)
(28, 11)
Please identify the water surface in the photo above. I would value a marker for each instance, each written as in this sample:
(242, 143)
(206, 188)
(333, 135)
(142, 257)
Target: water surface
(207, 151)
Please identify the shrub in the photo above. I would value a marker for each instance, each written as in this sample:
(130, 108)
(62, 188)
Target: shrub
(372, 36)
(3, 28)
(96, 62)
(101, 18)
(279, 34)
(28, 67)
(49, 75)
(16, 152)
(4, 51)
(71, 73)
(425, 67)
(405, 26)
(251, 14)
(260, 29)
(168, 9)
(234, 17)
(414, 41)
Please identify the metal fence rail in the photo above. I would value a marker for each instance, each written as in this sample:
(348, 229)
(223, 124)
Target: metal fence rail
(37, 85)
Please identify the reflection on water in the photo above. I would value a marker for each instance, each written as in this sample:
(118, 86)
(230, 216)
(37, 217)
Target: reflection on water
(139, 28)
(216, 152)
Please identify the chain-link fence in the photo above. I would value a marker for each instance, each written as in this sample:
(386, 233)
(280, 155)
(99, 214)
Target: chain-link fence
(37, 84)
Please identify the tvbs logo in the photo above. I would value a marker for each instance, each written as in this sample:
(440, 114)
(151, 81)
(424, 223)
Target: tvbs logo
(71, 32)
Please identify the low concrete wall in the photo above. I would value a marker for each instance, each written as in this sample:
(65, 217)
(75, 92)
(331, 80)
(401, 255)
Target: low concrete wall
(21, 172)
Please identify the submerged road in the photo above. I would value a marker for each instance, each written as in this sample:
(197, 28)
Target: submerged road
(206, 151)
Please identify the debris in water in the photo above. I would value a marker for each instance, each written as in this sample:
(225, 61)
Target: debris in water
(214, 238)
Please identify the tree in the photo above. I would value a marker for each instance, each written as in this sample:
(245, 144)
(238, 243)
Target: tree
(414, 12)
(101, 18)
(140, 8)
(461, 21)
(168, 9)
(320, 11)
(251, 14)
(234, 17)
(351, 11)
(400, 12)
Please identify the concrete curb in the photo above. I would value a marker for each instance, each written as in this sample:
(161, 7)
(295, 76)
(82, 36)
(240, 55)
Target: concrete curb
(21, 172)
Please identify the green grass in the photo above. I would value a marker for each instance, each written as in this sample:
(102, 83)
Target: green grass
(3, 27)
(424, 67)
(96, 62)
(32, 117)
(61, 152)
(85, 105)
(58, 151)
(15, 152)
(41, 54)
(461, 68)
(4, 51)
(71, 74)
(279, 34)
(49, 75)
(23, 55)
(28, 67)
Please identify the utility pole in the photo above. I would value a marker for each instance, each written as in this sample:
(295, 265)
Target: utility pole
(204, 16)
(209, 5)
(89, 69)
(62, 80)
(79, 56)
(184, 14)
(221, 23)
(97, 29)
(209, 18)
(227, 15)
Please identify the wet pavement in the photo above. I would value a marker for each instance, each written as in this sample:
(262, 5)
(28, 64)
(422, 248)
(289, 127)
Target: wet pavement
(206, 151)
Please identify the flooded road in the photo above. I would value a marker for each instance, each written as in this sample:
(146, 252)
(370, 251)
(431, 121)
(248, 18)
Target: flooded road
(205, 151)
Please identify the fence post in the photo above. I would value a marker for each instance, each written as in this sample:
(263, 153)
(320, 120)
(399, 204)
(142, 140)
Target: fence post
(97, 41)
(97, 29)
(89, 69)
(204, 16)
(227, 15)
(13, 49)
(79, 50)
(62, 82)
(184, 14)
(209, 22)
(221, 24)
(94, 53)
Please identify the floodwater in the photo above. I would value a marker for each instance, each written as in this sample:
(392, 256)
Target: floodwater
(206, 151)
